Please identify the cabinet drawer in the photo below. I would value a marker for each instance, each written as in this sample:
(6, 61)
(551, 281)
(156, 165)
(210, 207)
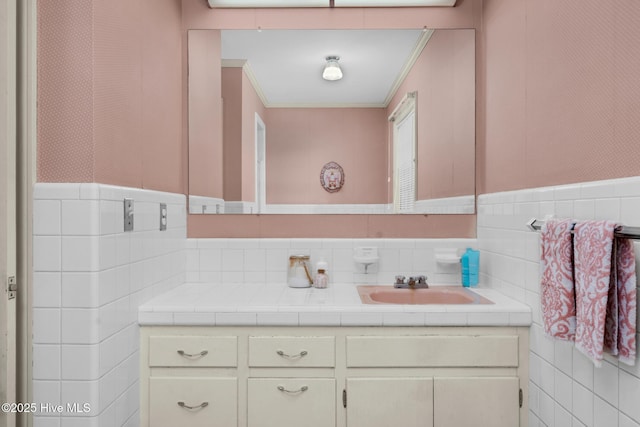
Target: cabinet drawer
(295, 402)
(291, 351)
(432, 351)
(193, 402)
(193, 351)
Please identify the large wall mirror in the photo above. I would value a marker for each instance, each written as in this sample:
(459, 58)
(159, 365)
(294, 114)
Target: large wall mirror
(394, 134)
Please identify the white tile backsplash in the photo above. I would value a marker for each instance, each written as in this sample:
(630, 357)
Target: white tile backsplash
(266, 260)
(89, 279)
(589, 396)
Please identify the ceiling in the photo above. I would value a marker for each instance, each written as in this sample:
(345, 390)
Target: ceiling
(286, 65)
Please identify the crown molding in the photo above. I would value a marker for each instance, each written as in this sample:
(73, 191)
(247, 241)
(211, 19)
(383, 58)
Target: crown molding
(417, 50)
(248, 71)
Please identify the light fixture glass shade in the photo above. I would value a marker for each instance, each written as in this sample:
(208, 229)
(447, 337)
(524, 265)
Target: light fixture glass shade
(332, 70)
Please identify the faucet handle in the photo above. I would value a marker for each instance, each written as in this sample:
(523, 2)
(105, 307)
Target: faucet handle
(400, 279)
(422, 280)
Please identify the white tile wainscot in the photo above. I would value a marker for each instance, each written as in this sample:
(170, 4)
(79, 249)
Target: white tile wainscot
(565, 388)
(89, 279)
(242, 348)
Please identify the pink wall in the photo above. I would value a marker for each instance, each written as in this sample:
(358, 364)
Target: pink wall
(337, 226)
(65, 91)
(232, 132)
(241, 104)
(302, 140)
(251, 105)
(109, 93)
(205, 114)
(445, 83)
(562, 92)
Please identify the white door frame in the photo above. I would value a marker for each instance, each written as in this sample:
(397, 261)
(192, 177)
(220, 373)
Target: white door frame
(406, 108)
(261, 164)
(26, 175)
(8, 229)
(18, 87)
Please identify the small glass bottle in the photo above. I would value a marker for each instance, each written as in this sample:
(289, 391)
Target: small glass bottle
(321, 279)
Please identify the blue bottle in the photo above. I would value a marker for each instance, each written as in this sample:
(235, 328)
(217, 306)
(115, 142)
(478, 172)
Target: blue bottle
(470, 261)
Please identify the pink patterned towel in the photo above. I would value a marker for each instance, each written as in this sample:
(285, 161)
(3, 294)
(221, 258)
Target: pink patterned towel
(557, 287)
(620, 327)
(605, 286)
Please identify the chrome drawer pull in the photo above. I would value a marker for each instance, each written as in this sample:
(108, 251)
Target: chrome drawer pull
(295, 356)
(200, 406)
(300, 390)
(193, 356)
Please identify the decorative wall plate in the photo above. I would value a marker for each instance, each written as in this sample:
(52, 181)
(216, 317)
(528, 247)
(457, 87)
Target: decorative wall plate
(332, 177)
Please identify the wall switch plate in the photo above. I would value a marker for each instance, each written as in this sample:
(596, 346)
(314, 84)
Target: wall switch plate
(163, 216)
(128, 214)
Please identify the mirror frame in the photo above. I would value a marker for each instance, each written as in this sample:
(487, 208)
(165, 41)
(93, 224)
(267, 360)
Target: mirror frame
(444, 110)
(466, 15)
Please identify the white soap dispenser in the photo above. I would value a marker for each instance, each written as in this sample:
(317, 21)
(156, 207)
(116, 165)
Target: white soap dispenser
(366, 255)
(321, 279)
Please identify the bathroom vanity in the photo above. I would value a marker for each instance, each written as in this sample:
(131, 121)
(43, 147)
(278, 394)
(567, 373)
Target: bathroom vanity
(292, 357)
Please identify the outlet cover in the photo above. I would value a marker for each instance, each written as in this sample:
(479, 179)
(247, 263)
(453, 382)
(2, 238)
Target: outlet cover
(163, 216)
(128, 214)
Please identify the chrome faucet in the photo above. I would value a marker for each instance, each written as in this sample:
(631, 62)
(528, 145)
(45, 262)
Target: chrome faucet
(417, 282)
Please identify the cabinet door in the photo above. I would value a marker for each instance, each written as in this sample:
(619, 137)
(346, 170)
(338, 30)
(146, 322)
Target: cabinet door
(291, 402)
(193, 402)
(481, 402)
(390, 402)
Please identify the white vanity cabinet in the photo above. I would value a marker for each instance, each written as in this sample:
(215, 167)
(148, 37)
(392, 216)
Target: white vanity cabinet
(176, 401)
(459, 380)
(291, 402)
(334, 376)
(405, 401)
(178, 394)
(291, 382)
(476, 401)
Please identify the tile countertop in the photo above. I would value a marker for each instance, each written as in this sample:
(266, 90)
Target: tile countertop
(193, 304)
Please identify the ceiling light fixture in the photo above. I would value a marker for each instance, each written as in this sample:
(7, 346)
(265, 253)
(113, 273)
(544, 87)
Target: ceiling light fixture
(332, 69)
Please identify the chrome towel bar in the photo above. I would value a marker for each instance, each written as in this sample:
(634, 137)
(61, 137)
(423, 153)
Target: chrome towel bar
(623, 232)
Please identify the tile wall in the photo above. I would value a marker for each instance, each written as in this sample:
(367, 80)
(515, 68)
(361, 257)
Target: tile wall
(89, 279)
(266, 260)
(565, 389)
